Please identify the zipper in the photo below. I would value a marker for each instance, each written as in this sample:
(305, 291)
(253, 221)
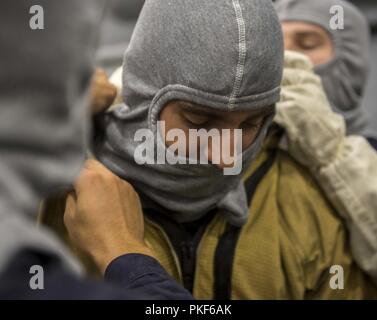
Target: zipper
(190, 252)
(188, 264)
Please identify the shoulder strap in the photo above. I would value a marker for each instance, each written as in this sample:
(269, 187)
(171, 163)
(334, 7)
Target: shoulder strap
(226, 246)
(252, 182)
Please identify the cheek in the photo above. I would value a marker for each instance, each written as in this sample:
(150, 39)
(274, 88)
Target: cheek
(321, 54)
(248, 138)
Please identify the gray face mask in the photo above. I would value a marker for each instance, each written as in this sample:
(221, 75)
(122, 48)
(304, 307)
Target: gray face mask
(225, 55)
(345, 76)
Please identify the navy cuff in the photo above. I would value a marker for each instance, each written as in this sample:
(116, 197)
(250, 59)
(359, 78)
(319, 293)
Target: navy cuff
(128, 268)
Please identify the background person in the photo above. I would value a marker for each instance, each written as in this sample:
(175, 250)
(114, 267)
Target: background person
(341, 57)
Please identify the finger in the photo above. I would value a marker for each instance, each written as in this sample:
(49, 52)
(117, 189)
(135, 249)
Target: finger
(70, 208)
(110, 97)
(98, 78)
(110, 89)
(84, 182)
(100, 71)
(89, 175)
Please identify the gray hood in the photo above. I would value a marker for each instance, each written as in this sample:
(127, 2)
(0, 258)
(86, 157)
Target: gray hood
(344, 77)
(224, 54)
(43, 115)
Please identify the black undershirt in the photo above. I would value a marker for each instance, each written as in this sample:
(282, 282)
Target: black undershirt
(185, 238)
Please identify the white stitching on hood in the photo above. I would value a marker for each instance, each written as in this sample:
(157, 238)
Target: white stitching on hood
(241, 53)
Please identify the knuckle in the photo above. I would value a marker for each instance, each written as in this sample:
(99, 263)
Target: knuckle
(91, 176)
(111, 178)
(90, 162)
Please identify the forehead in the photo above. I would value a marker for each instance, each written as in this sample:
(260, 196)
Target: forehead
(186, 106)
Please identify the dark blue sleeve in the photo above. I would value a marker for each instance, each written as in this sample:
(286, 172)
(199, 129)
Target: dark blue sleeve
(138, 272)
(131, 276)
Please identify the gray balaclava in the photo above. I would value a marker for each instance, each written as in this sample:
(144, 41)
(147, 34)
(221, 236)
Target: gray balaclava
(223, 54)
(344, 77)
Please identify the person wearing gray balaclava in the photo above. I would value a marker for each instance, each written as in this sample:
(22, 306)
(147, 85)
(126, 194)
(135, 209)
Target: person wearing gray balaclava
(224, 62)
(344, 74)
(45, 75)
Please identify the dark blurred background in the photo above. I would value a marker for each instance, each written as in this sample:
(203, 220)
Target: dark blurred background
(121, 17)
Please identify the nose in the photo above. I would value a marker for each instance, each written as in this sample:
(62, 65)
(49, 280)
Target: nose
(223, 152)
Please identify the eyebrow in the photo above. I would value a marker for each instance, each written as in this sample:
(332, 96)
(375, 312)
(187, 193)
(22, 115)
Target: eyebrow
(314, 34)
(202, 111)
(197, 110)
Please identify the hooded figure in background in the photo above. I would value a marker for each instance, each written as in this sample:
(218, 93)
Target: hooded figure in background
(344, 74)
(223, 61)
(42, 119)
(43, 136)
